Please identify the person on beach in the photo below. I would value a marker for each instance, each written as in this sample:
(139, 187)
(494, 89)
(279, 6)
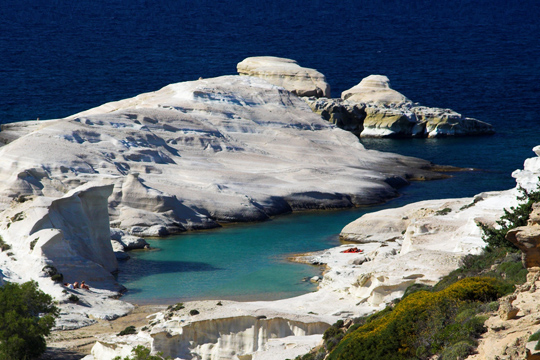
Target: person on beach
(84, 286)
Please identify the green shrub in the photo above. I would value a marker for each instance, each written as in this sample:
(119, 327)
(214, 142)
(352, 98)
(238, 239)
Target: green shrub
(128, 331)
(176, 307)
(333, 335)
(26, 317)
(515, 217)
(421, 324)
(535, 336)
(444, 211)
(142, 353)
(57, 278)
(458, 351)
(193, 312)
(73, 298)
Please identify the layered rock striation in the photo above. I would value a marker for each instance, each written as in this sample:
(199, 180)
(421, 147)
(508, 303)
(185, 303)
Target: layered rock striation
(195, 154)
(373, 109)
(286, 73)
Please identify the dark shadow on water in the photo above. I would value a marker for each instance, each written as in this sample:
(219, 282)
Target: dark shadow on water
(135, 269)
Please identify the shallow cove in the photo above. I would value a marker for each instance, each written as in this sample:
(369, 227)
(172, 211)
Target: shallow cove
(249, 261)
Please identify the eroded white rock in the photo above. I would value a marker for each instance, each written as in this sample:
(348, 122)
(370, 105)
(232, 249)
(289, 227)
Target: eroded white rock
(194, 154)
(286, 73)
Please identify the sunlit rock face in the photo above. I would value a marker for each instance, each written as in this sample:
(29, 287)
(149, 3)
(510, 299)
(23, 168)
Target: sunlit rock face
(65, 236)
(373, 109)
(374, 89)
(226, 338)
(286, 73)
(194, 154)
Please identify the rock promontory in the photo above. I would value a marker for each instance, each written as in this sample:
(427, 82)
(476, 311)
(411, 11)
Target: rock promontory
(195, 154)
(373, 109)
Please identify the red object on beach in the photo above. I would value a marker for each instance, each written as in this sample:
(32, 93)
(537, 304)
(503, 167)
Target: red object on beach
(353, 250)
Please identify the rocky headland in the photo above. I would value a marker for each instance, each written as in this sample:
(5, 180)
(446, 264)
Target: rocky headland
(373, 109)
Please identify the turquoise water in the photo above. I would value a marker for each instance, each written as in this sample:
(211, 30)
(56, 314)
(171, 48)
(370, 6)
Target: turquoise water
(247, 261)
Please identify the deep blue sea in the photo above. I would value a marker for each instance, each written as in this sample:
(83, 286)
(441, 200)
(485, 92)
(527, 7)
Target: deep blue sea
(480, 58)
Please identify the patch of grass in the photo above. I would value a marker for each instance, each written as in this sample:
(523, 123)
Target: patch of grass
(17, 217)
(142, 353)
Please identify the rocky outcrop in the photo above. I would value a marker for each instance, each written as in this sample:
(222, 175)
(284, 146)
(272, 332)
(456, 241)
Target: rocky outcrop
(286, 73)
(373, 109)
(509, 329)
(409, 238)
(527, 239)
(374, 89)
(195, 154)
(70, 236)
(221, 330)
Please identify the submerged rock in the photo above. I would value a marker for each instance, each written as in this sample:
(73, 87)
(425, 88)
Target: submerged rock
(286, 73)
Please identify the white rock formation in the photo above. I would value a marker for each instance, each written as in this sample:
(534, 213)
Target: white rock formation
(71, 234)
(373, 109)
(374, 89)
(194, 154)
(286, 73)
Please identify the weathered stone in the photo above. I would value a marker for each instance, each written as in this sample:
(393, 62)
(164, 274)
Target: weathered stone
(286, 73)
(374, 89)
(391, 122)
(506, 310)
(527, 239)
(367, 118)
(345, 115)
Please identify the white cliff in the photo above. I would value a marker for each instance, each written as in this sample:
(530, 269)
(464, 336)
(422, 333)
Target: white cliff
(194, 154)
(71, 235)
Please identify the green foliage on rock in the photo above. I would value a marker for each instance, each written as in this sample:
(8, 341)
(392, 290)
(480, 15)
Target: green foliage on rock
(3, 245)
(513, 218)
(128, 331)
(26, 317)
(423, 324)
(142, 353)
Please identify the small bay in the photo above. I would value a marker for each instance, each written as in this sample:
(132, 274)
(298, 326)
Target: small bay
(249, 261)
